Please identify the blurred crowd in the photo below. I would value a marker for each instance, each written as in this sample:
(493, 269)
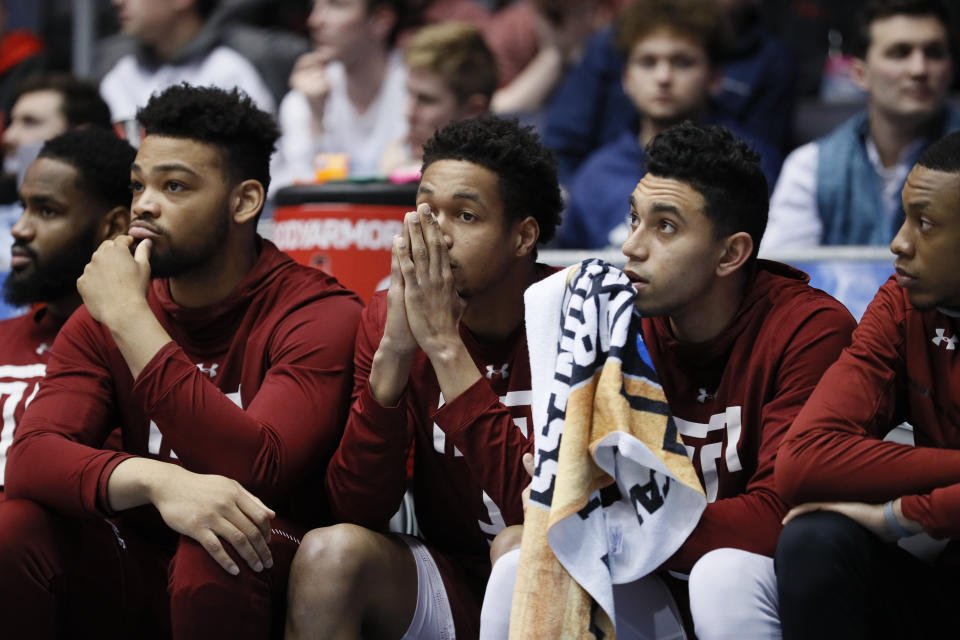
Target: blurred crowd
(358, 86)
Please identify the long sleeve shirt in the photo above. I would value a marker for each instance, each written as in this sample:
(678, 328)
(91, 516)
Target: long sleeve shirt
(902, 365)
(254, 388)
(734, 397)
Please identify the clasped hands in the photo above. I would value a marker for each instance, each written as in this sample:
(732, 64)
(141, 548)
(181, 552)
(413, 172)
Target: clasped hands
(423, 307)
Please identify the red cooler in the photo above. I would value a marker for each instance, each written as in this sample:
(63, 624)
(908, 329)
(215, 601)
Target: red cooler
(344, 228)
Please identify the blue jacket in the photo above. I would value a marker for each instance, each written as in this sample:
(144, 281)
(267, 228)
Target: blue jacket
(590, 109)
(849, 191)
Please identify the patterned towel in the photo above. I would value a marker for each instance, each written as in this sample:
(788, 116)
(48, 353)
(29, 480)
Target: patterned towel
(601, 418)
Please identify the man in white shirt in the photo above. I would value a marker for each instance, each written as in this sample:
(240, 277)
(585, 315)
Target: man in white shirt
(844, 188)
(347, 95)
(176, 42)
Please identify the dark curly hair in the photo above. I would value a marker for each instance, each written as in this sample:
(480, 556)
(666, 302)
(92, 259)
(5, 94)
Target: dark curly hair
(722, 168)
(874, 10)
(943, 155)
(101, 159)
(526, 171)
(229, 120)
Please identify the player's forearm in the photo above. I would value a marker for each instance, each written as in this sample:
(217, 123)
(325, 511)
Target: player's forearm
(389, 373)
(133, 480)
(456, 371)
(138, 335)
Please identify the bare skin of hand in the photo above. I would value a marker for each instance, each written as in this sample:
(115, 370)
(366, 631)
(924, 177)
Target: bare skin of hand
(869, 516)
(391, 362)
(433, 306)
(114, 281)
(528, 465)
(309, 77)
(212, 509)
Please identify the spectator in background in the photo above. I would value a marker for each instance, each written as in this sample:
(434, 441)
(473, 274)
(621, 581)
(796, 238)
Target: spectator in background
(590, 108)
(21, 54)
(44, 106)
(75, 195)
(451, 75)
(175, 43)
(673, 48)
(346, 94)
(845, 187)
(535, 41)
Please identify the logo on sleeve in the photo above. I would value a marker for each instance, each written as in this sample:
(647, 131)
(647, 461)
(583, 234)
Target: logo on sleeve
(941, 337)
(210, 371)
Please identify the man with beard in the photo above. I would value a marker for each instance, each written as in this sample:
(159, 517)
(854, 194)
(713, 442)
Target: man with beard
(75, 195)
(229, 376)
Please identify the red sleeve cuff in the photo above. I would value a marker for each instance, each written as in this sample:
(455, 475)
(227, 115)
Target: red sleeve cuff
(461, 412)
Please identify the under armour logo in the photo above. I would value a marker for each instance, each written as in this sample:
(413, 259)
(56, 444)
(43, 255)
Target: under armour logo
(704, 396)
(951, 341)
(43, 347)
(210, 371)
(503, 372)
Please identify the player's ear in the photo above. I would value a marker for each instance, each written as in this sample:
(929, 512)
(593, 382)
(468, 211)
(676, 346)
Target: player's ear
(737, 249)
(526, 233)
(113, 223)
(247, 201)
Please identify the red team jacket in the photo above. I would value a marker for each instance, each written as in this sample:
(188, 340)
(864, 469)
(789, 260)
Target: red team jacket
(734, 397)
(902, 365)
(468, 473)
(254, 388)
(25, 343)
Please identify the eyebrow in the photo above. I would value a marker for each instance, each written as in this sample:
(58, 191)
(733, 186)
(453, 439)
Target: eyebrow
(41, 199)
(165, 168)
(458, 195)
(663, 207)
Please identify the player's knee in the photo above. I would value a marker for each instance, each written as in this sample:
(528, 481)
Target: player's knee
(733, 595)
(814, 548)
(341, 552)
(507, 540)
(198, 582)
(21, 523)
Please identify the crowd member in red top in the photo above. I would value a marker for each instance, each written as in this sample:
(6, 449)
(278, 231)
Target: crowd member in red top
(840, 575)
(229, 376)
(441, 366)
(739, 344)
(75, 196)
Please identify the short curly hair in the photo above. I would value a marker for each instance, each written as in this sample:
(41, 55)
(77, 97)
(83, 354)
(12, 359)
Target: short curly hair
(245, 136)
(526, 171)
(722, 168)
(101, 159)
(943, 155)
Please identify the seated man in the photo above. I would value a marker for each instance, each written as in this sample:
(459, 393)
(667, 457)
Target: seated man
(839, 571)
(176, 42)
(44, 106)
(673, 51)
(75, 195)
(589, 108)
(451, 75)
(345, 94)
(738, 344)
(228, 376)
(441, 366)
(845, 187)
